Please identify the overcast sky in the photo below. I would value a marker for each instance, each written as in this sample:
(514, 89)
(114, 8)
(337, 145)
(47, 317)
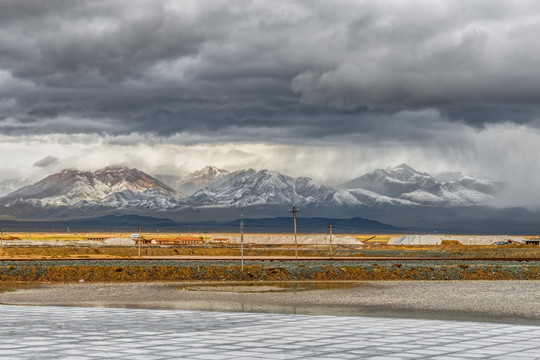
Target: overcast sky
(326, 89)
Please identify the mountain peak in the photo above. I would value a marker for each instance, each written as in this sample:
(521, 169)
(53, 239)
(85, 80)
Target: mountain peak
(69, 172)
(401, 167)
(113, 168)
(405, 172)
(210, 171)
(198, 179)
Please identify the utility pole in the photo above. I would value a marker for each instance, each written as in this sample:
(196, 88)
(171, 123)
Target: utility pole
(242, 240)
(294, 210)
(331, 227)
(139, 240)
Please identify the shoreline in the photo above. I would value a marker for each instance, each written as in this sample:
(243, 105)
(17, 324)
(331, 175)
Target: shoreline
(513, 302)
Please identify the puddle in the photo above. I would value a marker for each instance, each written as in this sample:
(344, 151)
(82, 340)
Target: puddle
(268, 286)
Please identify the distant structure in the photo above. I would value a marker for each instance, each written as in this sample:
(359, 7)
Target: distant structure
(135, 236)
(95, 238)
(188, 240)
(221, 240)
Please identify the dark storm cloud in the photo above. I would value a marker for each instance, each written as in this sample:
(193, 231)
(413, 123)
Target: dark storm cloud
(242, 69)
(46, 161)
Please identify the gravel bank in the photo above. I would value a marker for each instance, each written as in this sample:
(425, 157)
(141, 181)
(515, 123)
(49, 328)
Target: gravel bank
(259, 270)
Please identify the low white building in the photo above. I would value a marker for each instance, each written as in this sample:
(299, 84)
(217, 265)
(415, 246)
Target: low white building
(463, 239)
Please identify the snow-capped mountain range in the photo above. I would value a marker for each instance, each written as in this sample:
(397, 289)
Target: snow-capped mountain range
(123, 188)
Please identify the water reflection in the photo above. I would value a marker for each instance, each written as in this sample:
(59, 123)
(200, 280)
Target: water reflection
(268, 286)
(14, 286)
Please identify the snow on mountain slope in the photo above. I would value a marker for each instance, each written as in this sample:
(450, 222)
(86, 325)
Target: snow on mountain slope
(250, 187)
(403, 182)
(196, 180)
(10, 185)
(421, 196)
(457, 179)
(116, 187)
(373, 199)
(393, 181)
